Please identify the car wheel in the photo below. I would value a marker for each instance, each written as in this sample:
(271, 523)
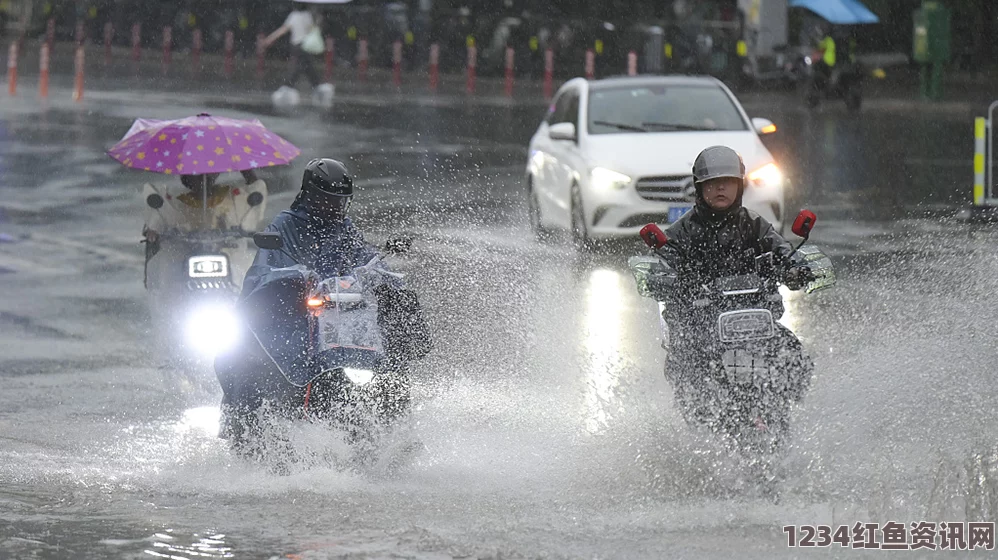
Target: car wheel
(580, 233)
(534, 213)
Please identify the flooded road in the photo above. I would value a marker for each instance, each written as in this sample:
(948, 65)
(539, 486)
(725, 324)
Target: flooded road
(547, 425)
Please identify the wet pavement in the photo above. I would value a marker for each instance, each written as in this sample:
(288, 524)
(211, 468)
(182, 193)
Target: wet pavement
(549, 430)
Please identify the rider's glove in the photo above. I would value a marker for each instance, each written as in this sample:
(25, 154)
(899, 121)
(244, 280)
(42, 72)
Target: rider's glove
(798, 276)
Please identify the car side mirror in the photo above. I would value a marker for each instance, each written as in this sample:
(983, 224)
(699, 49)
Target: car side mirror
(154, 201)
(562, 131)
(763, 126)
(254, 199)
(268, 240)
(398, 245)
(804, 223)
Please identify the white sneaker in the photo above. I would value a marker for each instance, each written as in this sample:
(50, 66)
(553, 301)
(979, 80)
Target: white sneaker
(323, 94)
(286, 97)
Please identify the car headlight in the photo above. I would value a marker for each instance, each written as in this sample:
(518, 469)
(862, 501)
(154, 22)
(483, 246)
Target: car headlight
(359, 376)
(212, 329)
(768, 175)
(607, 179)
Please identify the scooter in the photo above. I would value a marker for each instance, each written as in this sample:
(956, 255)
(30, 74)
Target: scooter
(321, 349)
(734, 369)
(199, 290)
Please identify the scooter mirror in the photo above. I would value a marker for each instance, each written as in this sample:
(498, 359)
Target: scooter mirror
(254, 199)
(154, 201)
(653, 236)
(804, 223)
(267, 240)
(398, 245)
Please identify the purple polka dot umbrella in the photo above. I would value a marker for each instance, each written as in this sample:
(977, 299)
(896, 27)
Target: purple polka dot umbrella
(201, 144)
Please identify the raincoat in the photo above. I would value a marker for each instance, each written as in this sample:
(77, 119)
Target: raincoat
(274, 292)
(706, 244)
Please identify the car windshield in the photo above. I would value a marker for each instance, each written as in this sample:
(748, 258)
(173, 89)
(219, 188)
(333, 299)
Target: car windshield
(660, 108)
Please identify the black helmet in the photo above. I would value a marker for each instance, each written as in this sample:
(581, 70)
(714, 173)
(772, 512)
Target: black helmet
(327, 176)
(718, 161)
(326, 190)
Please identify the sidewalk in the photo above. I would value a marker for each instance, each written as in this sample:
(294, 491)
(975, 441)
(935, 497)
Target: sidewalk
(963, 92)
(182, 76)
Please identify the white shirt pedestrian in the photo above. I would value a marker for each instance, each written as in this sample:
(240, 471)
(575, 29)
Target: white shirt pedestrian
(299, 22)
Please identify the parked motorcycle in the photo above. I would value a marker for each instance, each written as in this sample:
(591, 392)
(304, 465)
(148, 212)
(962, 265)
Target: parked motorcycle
(735, 370)
(333, 350)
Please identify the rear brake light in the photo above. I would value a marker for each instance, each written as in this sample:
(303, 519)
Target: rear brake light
(315, 302)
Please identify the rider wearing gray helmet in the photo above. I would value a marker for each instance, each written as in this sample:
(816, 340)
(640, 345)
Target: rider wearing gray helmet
(720, 237)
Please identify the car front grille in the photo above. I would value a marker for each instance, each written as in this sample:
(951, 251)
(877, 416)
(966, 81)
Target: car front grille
(667, 188)
(642, 219)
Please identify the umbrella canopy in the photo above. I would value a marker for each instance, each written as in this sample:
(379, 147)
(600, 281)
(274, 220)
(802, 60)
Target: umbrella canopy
(201, 144)
(842, 12)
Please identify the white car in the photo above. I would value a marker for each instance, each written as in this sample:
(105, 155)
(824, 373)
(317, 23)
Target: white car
(613, 155)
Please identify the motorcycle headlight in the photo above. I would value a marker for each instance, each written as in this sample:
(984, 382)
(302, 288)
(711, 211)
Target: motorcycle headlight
(607, 179)
(359, 376)
(768, 175)
(212, 329)
(208, 266)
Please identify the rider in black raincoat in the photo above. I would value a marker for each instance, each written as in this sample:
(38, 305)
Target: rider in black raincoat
(721, 238)
(316, 234)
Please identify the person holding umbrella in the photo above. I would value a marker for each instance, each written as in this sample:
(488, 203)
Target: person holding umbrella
(199, 202)
(199, 149)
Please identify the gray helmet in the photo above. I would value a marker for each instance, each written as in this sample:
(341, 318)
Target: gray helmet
(718, 161)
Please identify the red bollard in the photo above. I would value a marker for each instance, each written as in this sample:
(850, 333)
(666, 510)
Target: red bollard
(397, 63)
(136, 41)
(167, 47)
(472, 64)
(50, 32)
(632, 63)
(590, 64)
(362, 59)
(12, 69)
(230, 45)
(509, 71)
(261, 51)
(330, 58)
(43, 71)
(434, 66)
(78, 82)
(108, 36)
(196, 49)
(548, 73)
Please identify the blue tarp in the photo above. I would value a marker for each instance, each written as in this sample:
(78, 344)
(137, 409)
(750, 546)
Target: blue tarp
(841, 12)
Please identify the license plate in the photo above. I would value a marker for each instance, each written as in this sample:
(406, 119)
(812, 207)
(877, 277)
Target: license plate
(350, 329)
(676, 212)
(747, 324)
